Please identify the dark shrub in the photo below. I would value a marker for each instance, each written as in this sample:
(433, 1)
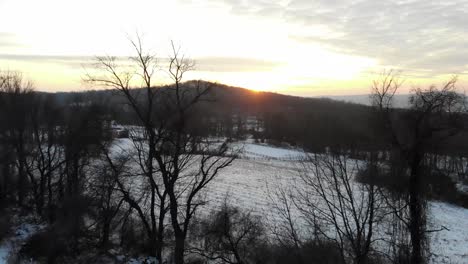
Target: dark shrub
(438, 185)
(49, 246)
(393, 180)
(309, 252)
(461, 199)
(132, 238)
(5, 224)
(231, 234)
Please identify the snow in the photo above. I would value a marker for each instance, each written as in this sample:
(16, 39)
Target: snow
(449, 246)
(10, 245)
(462, 187)
(247, 181)
(260, 168)
(121, 145)
(257, 151)
(4, 252)
(246, 150)
(143, 260)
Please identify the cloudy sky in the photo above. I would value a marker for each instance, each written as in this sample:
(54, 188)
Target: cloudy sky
(301, 47)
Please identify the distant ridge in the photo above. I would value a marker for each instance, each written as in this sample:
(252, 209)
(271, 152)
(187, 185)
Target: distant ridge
(400, 100)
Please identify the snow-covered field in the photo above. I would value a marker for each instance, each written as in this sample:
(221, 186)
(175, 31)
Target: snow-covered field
(260, 167)
(449, 246)
(247, 181)
(261, 151)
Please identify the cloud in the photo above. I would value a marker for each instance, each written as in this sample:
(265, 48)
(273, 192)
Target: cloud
(8, 40)
(210, 64)
(70, 61)
(409, 34)
(232, 64)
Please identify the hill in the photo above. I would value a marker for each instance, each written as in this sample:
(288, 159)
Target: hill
(313, 123)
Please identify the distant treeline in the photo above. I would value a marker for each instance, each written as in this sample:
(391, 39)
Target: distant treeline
(314, 124)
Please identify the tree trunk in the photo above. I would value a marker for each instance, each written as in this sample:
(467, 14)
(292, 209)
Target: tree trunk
(21, 184)
(50, 206)
(105, 233)
(160, 238)
(417, 217)
(179, 248)
(40, 196)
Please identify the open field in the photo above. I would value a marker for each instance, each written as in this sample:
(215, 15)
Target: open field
(247, 180)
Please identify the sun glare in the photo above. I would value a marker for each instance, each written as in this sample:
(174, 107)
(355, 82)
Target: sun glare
(301, 62)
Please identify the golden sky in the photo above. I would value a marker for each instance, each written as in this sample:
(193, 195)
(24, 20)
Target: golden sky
(300, 47)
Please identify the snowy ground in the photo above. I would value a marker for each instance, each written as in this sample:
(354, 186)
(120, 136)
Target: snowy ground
(10, 246)
(260, 167)
(261, 151)
(247, 180)
(449, 246)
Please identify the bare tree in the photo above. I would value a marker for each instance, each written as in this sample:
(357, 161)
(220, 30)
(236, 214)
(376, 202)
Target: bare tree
(46, 156)
(146, 141)
(434, 116)
(108, 201)
(16, 96)
(176, 164)
(286, 228)
(230, 235)
(338, 209)
(193, 162)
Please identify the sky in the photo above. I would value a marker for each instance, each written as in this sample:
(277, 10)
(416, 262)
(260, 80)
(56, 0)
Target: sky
(298, 47)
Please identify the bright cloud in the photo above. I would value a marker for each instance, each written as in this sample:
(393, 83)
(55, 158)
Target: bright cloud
(297, 46)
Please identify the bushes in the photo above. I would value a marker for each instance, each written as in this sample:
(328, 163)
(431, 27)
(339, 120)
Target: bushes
(132, 238)
(66, 238)
(232, 235)
(312, 251)
(49, 246)
(393, 180)
(437, 185)
(5, 224)
(459, 198)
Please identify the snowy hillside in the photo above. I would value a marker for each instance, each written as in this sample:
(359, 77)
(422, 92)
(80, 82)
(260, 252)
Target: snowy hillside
(247, 180)
(260, 168)
(262, 151)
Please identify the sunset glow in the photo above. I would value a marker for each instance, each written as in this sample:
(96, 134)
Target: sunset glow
(293, 47)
